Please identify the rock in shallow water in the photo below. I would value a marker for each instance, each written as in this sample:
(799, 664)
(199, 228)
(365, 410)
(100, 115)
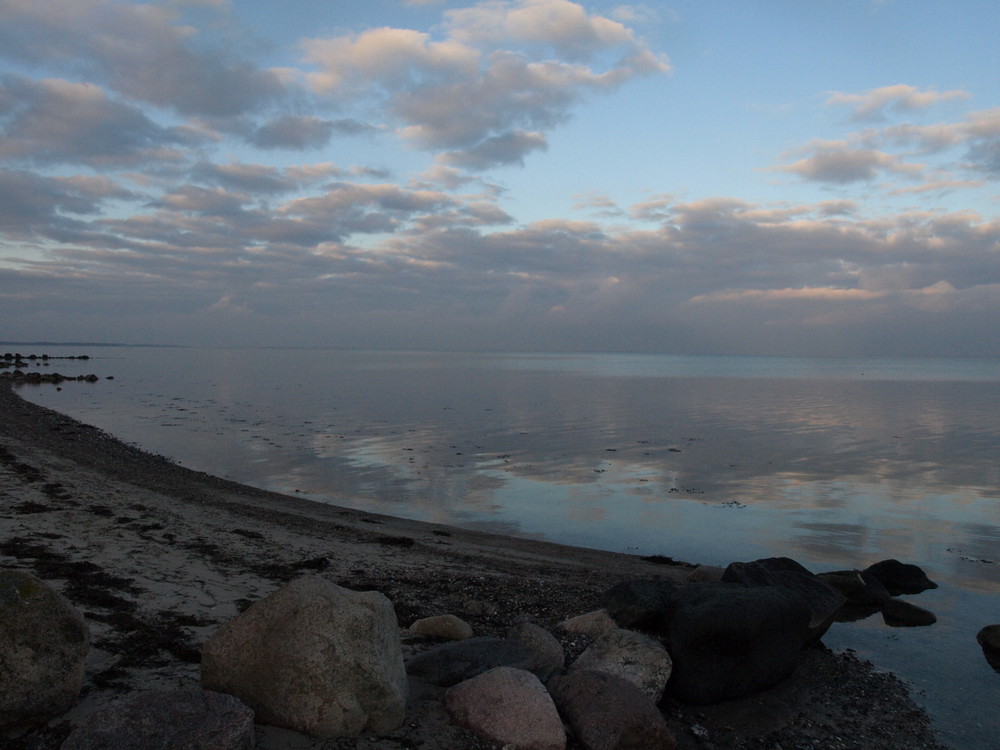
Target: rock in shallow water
(901, 614)
(901, 578)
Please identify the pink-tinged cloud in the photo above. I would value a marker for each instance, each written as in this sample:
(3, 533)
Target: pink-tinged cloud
(873, 104)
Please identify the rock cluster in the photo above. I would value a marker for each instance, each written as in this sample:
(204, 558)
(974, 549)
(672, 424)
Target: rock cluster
(20, 374)
(328, 662)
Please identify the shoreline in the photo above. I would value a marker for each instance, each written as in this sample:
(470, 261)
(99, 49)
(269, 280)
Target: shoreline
(157, 556)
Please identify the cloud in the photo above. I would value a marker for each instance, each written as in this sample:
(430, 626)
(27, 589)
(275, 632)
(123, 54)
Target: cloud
(563, 26)
(489, 91)
(873, 104)
(57, 121)
(841, 163)
(140, 51)
(302, 133)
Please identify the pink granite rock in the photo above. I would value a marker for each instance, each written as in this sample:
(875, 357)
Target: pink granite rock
(510, 707)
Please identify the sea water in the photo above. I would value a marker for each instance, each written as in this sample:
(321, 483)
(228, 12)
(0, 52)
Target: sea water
(837, 463)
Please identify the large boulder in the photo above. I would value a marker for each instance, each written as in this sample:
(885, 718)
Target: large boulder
(510, 707)
(167, 720)
(632, 656)
(451, 663)
(315, 658)
(728, 640)
(43, 645)
(608, 713)
(823, 601)
(901, 578)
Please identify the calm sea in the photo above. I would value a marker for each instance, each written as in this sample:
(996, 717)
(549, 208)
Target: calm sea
(837, 463)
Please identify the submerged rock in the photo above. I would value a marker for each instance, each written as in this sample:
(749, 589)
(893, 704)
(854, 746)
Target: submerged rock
(898, 613)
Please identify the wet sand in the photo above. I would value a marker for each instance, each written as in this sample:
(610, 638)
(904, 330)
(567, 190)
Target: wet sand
(157, 556)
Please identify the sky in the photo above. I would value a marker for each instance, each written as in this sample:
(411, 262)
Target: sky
(775, 177)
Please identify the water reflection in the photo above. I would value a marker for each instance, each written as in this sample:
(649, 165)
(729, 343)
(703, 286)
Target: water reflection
(837, 463)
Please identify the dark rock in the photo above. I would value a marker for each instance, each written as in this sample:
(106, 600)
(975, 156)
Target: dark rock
(640, 605)
(989, 637)
(728, 640)
(823, 601)
(167, 720)
(861, 588)
(451, 663)
(901, 578)
(901, 614)
(608, 713)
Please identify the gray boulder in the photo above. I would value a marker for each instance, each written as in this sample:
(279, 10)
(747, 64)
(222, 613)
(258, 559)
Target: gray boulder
(167, 720)
(451, 663)
(632, 656)
(43, 645)
(543, 643)
(728, 640)
(315, 658)
(608, 713)
(901, 578)
(510, 707)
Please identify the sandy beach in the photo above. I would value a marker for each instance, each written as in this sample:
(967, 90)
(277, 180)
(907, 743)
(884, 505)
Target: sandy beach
(156, 557)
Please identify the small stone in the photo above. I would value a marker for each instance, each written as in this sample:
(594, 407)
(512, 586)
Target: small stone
(593, 624)
(448, 627)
